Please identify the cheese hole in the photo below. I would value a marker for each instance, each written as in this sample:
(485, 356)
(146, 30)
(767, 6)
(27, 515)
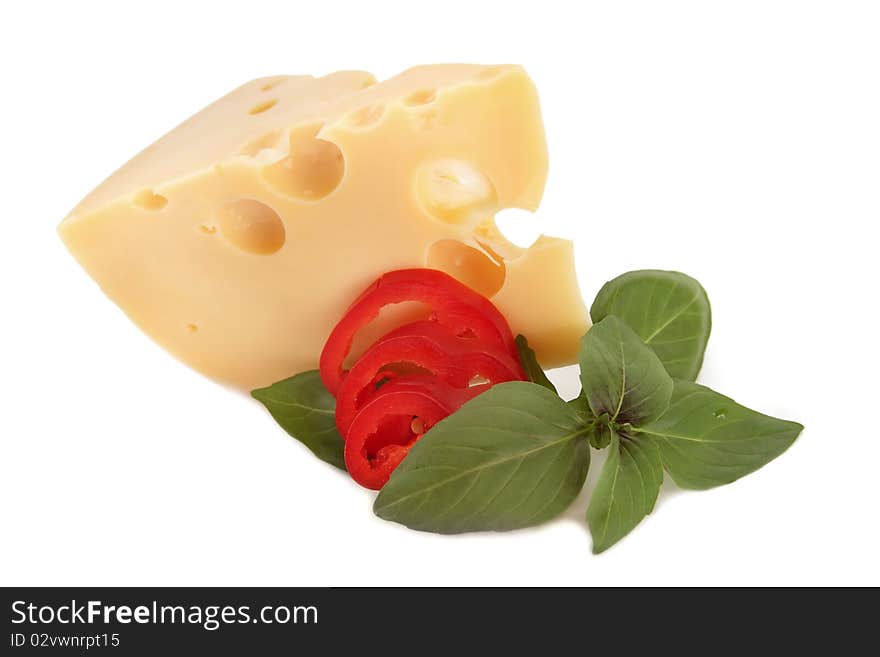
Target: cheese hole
(268, 140)
(471, 266)
(366, 116)
(192, 328)
(271, 84)
(422, 97)
(313, 169)
(259, 108)
(455, 191)
(518, 226)
(150, 201)
(208, 229)
(251, 226)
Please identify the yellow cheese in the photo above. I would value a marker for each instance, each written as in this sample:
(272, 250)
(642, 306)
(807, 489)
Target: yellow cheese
(238, 239)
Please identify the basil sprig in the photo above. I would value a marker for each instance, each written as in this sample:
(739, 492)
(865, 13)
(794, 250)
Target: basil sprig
(701, 438)
(490, 466)
(518, 455)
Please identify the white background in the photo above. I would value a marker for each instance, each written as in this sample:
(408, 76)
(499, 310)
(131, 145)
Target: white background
(736, 141)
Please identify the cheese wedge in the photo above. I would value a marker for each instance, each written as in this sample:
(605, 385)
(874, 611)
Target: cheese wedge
(239, 238)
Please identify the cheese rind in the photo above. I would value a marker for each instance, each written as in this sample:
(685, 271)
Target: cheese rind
(238, 239)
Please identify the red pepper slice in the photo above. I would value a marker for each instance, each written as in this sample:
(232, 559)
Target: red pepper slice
(431, 350)
(452, 304)
(381, 434)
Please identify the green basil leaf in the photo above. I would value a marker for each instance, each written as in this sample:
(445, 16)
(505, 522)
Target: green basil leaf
(626, 491)
(668, 310)
(707, 439)
(307, 411)
(514, 456)
(621, 376)
(530, 363)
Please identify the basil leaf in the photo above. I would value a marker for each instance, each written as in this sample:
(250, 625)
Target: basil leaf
(707, 439)
(530, 363)
(621, 376)
(514, 456)
(668, 310)
(626, 491)
(307, 411)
